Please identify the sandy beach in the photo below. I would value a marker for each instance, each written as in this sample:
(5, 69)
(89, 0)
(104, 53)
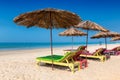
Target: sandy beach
(20, 65)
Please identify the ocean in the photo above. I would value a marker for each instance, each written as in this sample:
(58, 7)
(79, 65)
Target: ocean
(31, 45)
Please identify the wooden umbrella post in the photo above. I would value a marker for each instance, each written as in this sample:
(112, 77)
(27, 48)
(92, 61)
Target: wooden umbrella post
(87, 39)
(105, 42)
(51, 41)
(51, 45)
(86, 42)
(72, 42)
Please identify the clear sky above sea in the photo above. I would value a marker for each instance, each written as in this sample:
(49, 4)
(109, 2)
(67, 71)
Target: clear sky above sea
(104, 12)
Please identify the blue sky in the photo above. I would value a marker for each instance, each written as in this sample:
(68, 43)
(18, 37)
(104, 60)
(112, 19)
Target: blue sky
(104, 12)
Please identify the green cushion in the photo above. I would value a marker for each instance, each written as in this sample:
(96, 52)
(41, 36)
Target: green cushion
(57, 58)
(48, 58)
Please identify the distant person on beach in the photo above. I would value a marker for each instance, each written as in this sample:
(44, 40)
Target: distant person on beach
(100, 43)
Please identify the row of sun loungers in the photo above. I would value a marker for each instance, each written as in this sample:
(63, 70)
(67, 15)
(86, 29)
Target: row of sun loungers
(78, 58)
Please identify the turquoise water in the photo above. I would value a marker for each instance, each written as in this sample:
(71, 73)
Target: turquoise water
(9, 46)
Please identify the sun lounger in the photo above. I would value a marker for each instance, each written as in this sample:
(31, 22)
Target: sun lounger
(96, 55)
(114, 51)
(78, 49)
(66, 60)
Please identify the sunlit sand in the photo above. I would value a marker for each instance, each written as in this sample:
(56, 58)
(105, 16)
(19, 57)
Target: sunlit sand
(21, 65)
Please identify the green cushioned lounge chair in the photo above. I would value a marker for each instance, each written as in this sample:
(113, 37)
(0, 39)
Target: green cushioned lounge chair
(66, 60)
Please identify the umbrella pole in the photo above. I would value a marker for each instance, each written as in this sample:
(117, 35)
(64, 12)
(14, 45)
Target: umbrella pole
(87, 39)
(105, 42)
(51, 43)
(51, 40)
(86, 42)
(72, 42)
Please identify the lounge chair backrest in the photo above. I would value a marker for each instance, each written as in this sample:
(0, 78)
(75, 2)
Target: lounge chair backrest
(98, 52)
(77, 54)
(67, 56)
(81, 48)
(118, 49)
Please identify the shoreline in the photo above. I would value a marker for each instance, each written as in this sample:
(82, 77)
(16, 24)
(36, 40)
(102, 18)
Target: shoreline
(56, 50)
(28, 46)
(66, 47)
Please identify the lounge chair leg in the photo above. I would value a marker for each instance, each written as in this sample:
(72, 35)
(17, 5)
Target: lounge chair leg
(103, 59)
(38, 63)
(86, 63)
(72, 68)
(79, 67)
(83, 62)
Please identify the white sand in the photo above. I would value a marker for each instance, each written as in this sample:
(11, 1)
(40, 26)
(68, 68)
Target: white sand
(20, 65)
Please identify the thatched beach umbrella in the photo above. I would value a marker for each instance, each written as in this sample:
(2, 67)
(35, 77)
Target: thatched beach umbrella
(48, 18)
(88, 25)
(105, 35)
(115, 38)
(72, 32)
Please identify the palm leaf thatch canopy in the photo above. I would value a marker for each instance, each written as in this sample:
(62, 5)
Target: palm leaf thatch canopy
(88, 25)
(115, 38)
(105, 34)
(48, 18)
(72, 32)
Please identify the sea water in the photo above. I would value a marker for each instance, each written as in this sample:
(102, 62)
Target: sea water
(32, 45)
